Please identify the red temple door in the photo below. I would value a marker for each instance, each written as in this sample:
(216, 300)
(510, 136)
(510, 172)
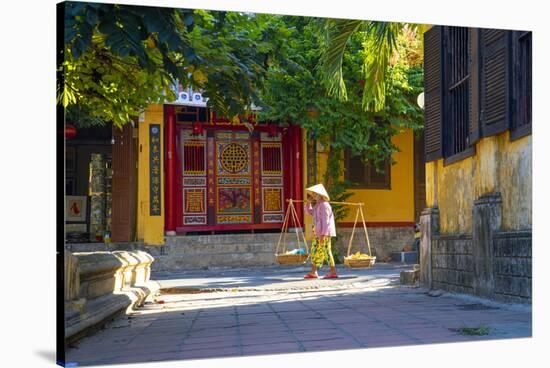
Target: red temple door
(234, 185)
(123, 184)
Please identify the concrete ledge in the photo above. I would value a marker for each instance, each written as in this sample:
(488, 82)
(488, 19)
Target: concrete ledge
(102, 273)
(101, 310)
(103, 285)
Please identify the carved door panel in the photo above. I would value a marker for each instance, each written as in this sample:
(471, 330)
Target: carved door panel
(234, 187)
(194, 185)
(272, 178)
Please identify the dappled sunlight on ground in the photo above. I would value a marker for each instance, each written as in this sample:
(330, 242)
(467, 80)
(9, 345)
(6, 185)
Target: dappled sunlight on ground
(375, 312)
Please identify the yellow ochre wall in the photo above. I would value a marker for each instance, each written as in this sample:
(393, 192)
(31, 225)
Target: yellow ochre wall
(381, 205)
(498, 165)
(150, 229)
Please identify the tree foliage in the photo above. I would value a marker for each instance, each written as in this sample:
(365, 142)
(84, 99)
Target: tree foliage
(351, 84)
(119, 58)
(379, 46)
(298, 94)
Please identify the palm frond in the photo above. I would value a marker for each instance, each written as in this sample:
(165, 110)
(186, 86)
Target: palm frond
(384, 33)
(337, 32)
(378, 48)
(380, 45)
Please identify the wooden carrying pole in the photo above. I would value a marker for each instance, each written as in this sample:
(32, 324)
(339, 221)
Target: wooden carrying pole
(360, 206)
(343, 203)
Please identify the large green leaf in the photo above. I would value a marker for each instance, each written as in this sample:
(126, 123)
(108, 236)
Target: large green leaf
(337, 34)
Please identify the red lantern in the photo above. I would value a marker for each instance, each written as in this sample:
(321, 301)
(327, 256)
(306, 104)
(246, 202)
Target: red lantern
(70, 131)
(197, 127)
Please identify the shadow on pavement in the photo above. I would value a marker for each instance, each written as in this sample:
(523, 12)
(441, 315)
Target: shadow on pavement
(240, 324)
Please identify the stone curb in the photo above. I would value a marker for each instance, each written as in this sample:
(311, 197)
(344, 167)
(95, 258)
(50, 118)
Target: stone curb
(103, 309)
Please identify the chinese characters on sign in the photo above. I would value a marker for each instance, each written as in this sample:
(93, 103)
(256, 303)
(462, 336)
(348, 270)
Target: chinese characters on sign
(154, 169)
(211, 194)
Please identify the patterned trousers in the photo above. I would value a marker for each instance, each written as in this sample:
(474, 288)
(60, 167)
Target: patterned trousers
(321, 252)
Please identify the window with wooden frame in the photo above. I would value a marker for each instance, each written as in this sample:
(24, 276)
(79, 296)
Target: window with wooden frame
(477, 83)
(522, 84)
(366, 176)
(456, 125)
(450, 88)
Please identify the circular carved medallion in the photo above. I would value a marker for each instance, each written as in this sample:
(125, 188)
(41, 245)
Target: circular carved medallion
(233, 158)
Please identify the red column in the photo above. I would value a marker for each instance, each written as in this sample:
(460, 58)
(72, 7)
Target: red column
(297, 186)
(287, 170)
(170, 169)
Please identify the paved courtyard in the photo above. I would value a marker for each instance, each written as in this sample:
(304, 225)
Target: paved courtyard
(205, 314)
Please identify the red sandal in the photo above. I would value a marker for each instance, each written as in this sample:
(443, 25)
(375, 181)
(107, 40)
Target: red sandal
(308, 276)
(330, 276)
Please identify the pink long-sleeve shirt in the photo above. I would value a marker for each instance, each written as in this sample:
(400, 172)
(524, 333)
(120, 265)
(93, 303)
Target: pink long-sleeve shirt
(323, 218)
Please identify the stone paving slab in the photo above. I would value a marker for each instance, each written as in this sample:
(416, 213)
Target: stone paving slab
(262, 319)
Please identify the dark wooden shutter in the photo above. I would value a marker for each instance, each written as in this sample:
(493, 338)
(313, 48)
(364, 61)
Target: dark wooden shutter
(495, 81)
(433, 96)
(473, 46)
(124, 184)
(521, 84)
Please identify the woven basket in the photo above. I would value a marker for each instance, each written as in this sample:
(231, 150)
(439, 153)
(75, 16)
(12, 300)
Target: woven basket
(359, 263)
(289, 259)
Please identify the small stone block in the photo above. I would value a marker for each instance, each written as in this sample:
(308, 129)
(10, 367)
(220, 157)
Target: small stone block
(409, 277)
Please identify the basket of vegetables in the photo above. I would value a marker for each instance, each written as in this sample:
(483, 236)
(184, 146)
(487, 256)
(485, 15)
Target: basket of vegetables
(358, 259)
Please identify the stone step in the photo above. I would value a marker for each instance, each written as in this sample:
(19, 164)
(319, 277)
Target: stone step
(227, 238)
(222, 250)
(228, 248)
(179, 262)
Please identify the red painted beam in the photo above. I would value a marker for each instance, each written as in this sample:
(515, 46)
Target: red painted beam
(170, 169)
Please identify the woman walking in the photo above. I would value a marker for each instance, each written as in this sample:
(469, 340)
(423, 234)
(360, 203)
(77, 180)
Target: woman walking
(323, 229)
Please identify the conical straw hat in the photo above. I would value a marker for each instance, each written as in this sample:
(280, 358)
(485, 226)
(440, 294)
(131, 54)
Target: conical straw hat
(319, 189)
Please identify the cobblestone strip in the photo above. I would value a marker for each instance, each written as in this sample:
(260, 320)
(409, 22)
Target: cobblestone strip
(238, 327)
(288, 329)
(378, 320)
(344, 332)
